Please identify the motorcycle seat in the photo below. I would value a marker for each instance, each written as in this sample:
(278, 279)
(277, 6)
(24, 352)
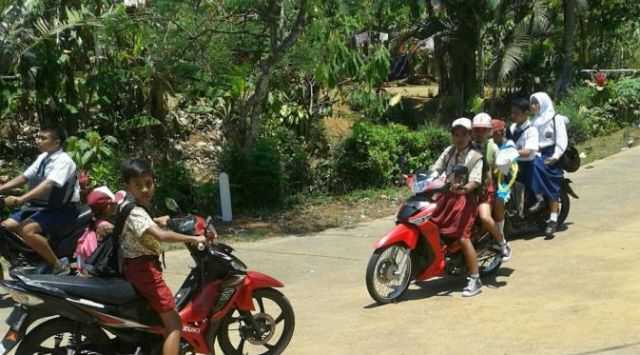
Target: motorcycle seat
(84, 217)
(112, 291)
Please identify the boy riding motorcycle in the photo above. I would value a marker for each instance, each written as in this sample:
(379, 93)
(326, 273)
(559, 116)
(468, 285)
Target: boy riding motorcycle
(456, 214)
(51, 199)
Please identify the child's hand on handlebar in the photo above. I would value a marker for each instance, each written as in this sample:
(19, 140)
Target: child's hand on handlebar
(458, 189)
(10, 201)
(199, 239)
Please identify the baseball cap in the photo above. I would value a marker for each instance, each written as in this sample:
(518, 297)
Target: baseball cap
(482, 120)
(497, 125)
(99, 197)
(463, 122)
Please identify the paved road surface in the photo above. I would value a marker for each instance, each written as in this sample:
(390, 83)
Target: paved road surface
(575, 294)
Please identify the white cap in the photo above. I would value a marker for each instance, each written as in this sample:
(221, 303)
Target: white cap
(463, 122)
(105, 190)
(482, 120)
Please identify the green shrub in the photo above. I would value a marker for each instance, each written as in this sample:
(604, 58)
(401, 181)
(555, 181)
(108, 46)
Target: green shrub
(373, 106)
(369, 157)
(105, 173)
(627, 100)
(256, 177)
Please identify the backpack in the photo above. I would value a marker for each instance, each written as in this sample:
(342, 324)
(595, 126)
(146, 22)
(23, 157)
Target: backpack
(106, 260)
(571, 157)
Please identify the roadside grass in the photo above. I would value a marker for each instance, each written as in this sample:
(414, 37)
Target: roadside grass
(604, 146)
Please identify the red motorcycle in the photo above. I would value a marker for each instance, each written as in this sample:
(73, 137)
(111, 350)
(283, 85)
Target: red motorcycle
(414, 248)
(219, 299)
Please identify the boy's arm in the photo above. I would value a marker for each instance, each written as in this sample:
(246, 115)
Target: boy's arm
(41, 189)
(13, 183)
(168, 236)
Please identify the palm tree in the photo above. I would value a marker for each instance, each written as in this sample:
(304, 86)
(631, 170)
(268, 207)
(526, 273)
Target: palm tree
(514, 25)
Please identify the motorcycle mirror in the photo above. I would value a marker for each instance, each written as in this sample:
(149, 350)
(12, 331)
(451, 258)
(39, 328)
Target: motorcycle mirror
(171, 204)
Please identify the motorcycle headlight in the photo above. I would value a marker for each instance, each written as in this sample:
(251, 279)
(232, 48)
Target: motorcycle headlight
(238, 266)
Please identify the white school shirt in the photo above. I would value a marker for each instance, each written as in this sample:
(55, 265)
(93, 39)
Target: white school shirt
(59, 169)
(545, 134)
(528, 140)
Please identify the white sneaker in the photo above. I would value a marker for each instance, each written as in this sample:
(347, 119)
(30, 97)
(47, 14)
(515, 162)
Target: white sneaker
(62, 268)
(506, 252)
(474, 287)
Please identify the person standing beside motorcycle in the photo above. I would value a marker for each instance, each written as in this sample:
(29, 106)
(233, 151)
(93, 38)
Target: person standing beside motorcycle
(51, 201)
(547, 173)
(482, 130)
(141, 238)
(456, 214)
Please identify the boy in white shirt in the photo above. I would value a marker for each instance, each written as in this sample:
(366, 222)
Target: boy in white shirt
(51, 200)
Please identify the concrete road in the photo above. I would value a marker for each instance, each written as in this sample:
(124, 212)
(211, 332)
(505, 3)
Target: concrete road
(575, 294)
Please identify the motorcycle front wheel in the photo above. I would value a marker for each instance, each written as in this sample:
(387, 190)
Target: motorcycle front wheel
(387, 279)
(59, 336)
(273, 315)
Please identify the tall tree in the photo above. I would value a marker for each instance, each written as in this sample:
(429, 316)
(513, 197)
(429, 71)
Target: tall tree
(568, 45)
(280, 41)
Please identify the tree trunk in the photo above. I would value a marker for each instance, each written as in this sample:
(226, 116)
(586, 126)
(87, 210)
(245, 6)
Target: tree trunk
(568, 38)
(279, 45)
(462, 48)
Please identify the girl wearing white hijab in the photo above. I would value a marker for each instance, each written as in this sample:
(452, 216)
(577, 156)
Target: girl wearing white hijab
(547, 172)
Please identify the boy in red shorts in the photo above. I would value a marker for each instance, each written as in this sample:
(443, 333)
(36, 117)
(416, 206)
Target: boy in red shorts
(141, 238)
(482, 130)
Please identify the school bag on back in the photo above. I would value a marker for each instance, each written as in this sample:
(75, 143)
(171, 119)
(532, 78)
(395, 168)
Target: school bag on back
(571, 157)
(106, 260)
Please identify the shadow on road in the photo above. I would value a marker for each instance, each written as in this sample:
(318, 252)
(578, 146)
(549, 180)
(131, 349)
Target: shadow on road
(612, 349)
(446, 286)
(492, 280)
(532, 233)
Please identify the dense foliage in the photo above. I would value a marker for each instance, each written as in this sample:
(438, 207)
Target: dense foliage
(127, 80)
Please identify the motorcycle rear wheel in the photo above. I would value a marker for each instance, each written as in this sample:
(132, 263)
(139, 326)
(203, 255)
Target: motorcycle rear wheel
(489, 260)
(271, 324)
(48, 337)
(381, 270)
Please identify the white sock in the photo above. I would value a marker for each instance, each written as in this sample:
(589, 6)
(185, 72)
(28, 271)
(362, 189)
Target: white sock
(553, 217)
(474, 276)
(539, 198)
(500, 227)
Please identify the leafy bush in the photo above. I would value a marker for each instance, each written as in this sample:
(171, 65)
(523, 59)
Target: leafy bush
(373, 106)
(256, 177)
(369, 157)
(627, 100)
(595, 112)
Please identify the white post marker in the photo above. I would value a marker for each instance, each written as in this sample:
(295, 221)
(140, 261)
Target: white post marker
(225, 197)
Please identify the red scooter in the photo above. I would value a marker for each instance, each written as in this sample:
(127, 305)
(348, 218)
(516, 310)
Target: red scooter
(219, 300)
(414, 249)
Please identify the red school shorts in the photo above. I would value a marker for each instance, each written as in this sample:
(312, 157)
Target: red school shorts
(489, 195)
(145, 274)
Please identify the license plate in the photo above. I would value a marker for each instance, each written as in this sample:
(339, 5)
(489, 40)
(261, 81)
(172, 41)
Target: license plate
(16, 318)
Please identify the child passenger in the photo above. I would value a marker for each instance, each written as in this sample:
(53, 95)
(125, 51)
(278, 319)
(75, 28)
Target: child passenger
(141, 238)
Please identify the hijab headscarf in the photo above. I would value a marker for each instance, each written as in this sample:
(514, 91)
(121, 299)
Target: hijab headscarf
(547, 111)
